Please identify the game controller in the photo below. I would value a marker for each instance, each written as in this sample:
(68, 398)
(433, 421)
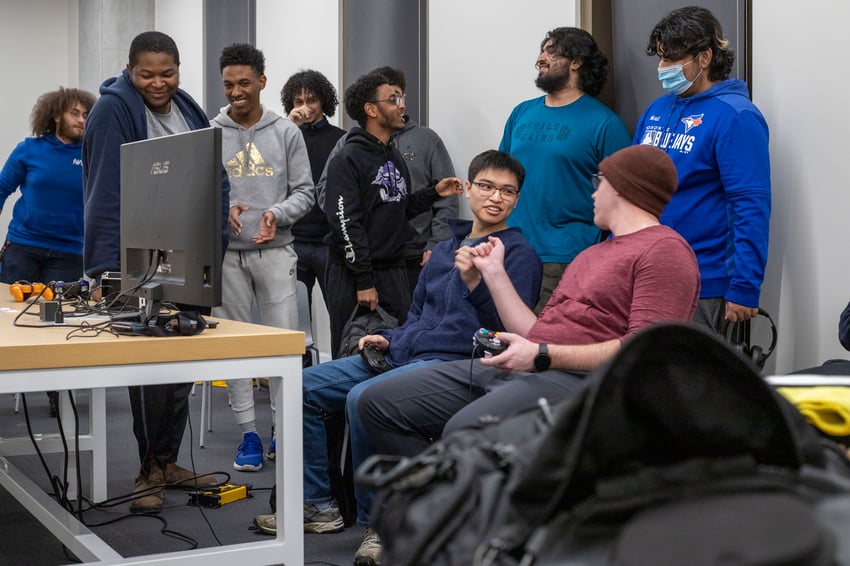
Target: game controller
(374, 358)
(488, 340)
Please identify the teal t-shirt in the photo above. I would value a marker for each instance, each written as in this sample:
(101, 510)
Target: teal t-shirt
(560, 149)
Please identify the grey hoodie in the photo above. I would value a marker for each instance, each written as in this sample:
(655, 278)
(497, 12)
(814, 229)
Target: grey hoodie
(269, 170)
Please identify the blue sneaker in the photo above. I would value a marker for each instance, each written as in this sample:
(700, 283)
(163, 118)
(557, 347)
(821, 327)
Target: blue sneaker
(272, 446)
(249, 458)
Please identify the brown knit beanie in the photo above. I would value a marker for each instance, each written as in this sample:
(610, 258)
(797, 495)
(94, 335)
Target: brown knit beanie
(644, 175)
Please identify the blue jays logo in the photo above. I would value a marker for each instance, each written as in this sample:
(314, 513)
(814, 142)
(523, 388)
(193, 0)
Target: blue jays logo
(393, 188)
(692, 121)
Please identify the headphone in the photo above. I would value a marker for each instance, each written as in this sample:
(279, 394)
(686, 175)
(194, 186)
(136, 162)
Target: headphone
(738, 334)
(23, 290)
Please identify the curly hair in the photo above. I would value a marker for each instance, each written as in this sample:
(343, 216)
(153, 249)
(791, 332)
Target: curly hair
(358, 94)
(492, 159)
(577, 45)
(689, 31)
(394, 76)
(243, 54)
(313, 82)
(52, 104)
(153, 42)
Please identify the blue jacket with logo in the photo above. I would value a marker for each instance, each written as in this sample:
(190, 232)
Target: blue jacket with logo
(718, 140)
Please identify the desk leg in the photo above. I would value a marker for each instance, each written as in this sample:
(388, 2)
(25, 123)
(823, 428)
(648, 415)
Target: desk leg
(97, 430)
(289, 470)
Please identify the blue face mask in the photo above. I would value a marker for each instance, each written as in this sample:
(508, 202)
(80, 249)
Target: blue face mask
(673, 79)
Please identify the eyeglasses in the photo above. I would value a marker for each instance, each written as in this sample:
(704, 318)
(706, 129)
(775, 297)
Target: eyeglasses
(596, 180)
(551, 52)
(397, 99)
(76, 113)
(487, 190)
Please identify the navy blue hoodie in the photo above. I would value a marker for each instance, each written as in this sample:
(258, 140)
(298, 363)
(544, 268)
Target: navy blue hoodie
(444, 314)
(118, 117)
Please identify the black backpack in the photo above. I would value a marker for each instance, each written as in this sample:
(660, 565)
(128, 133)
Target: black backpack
(361, 323)
(676, 452)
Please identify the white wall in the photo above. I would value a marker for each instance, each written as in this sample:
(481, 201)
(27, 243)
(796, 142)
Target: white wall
(183, 21)
(296, 35)
(39, 39)
(799, 83)
(481, 64)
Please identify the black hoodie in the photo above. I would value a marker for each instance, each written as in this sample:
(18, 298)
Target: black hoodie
(368, 205)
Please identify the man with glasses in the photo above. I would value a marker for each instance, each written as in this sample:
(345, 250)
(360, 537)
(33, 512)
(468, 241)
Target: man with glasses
(644, 274)
(368, 202)
(718, 140)
(560, 138)
(450, 303)
(428, 161)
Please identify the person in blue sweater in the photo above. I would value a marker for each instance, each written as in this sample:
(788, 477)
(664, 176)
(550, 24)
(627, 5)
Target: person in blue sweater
(144, 102)
(449, 304)
(44, 242)
(718, 140)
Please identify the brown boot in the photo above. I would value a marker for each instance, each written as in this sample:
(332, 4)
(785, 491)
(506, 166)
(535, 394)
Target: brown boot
(151, 489)
(178, 476)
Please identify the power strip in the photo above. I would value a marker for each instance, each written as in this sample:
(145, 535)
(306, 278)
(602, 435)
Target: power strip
(215, 497)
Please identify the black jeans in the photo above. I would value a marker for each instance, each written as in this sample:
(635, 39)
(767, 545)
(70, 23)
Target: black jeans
(312, 262)
(40, 265)
(159, 419)
(160, 413)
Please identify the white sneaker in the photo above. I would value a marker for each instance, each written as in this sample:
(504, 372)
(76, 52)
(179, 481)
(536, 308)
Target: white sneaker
(369, 553)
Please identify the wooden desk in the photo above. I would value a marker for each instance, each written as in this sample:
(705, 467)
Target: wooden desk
(41, 359)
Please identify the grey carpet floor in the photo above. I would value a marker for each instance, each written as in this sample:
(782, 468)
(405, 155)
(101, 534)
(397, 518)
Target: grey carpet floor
(23, 541)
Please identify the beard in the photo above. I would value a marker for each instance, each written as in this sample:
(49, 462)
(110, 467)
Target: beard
(67, 131)
(551, 82)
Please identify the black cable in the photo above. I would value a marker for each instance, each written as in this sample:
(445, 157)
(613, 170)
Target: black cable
(26, 310)
(193, 544)
(52, 480)
(77, 451)
(195, 472)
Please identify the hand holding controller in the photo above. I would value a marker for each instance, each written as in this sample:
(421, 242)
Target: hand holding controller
(488, 340)
(374, 358)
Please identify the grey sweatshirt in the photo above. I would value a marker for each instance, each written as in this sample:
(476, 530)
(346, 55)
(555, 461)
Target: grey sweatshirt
(269, 170)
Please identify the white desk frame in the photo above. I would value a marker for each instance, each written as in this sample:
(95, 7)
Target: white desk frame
(287, 547)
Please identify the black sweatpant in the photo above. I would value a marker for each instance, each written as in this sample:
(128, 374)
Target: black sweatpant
(393, 295)
(404, 414)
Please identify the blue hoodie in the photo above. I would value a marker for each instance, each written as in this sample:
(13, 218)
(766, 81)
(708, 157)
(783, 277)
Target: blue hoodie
(444, 314)
(718, 140)
(49, 213)
(118, 117)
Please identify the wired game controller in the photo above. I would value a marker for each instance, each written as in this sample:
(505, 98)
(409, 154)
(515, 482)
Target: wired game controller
(374, 358)
(488, 340)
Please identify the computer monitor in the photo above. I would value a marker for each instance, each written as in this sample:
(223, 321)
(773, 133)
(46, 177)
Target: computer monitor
(171, 219)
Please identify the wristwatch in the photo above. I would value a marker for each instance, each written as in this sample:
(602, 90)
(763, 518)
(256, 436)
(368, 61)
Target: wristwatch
(542, 361)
